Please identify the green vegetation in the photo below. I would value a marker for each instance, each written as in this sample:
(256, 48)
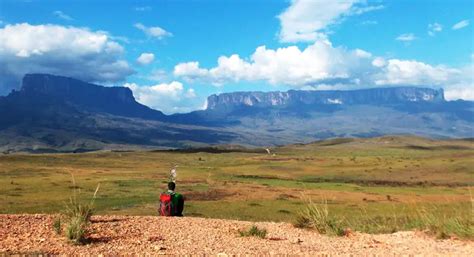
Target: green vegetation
(317, 216)
(78, 216)
(76, 230)
(377, 185)
(254, 231)
(432, 218)
(57, 225)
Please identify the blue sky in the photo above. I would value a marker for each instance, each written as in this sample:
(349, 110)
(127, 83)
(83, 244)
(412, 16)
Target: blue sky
(173, 54)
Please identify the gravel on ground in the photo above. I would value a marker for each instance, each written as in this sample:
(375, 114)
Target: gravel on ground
(149, 235)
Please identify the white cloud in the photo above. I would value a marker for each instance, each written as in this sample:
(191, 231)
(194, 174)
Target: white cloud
(62, 15)
(459, 93)
(379, 62)
(463, 88)
(322, 66)
(308, 20)
(457, 82)
(167, 97)
(411, 72)
(433, 28)
(304, 20)
(156, 32)
(190, 93)
(146, 58)
(406, 37)
(68, 51)
(190, 71)
(289, 65)
(461, 24)
(358, 10)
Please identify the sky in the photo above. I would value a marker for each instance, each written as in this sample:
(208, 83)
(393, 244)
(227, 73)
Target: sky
(173, 54)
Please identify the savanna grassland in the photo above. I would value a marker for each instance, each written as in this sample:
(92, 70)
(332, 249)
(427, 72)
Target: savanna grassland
(374, 185)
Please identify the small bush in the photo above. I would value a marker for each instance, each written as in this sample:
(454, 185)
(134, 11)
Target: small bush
(57, 225)
(254, 231)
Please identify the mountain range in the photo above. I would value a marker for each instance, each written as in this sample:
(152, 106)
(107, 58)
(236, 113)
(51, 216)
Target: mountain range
(55, 113)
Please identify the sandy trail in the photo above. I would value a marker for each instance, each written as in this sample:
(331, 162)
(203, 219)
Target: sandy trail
(120, 235)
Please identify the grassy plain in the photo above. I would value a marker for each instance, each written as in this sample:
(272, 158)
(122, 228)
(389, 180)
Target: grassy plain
(384, 179)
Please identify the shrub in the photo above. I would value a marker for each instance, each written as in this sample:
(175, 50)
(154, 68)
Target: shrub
(254, 231)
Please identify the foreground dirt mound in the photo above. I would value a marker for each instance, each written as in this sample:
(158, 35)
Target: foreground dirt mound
(112, 235)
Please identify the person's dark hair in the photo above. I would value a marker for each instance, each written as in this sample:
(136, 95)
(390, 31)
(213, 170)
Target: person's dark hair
(171, 186)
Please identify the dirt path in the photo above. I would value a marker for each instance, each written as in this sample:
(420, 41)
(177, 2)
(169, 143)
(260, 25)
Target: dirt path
(112, 235)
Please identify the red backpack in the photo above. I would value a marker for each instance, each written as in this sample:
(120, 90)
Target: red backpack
(166, 204)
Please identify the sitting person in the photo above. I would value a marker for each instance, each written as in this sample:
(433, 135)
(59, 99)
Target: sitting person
(171, 203)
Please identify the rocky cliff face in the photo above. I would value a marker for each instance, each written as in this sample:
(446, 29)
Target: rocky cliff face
(86, 96)
(59, 113)
(74, 90)
(378, 96)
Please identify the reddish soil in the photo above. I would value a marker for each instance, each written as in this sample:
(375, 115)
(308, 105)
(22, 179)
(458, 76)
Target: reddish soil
(123, 235)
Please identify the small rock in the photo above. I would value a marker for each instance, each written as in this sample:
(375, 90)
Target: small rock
(296, 241)
(348, 232)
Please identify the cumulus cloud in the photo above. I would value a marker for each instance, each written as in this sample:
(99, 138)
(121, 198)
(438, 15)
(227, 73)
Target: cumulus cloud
(406, 37)
(323, 66)
(434, 28)
(62, 15)
(463, 88)
(411, 72)
(461, 24)
(69, 51)
(146, 58)
(155, 32)
(289, 65)
(459, 93)
(379, 62)
(307, 20)
(167, 97)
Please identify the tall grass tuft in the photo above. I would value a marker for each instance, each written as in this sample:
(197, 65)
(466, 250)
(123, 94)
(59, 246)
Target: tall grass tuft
(317, 216)
(431, 218)
(57, 225)
(78, 216)
(76, 230)
(443, 226)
